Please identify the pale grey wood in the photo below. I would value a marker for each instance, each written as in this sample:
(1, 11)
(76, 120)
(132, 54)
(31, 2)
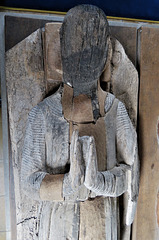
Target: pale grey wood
(64, 226)
(24, 68)
(110, 183)
(76, 162)
(124, 80)
(73, 185)
(50, 110)
(55, 216)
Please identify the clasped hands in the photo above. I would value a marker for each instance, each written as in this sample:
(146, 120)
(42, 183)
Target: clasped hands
(83, 161)
(84, 170)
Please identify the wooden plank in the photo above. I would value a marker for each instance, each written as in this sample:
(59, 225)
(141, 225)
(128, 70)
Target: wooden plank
(92, 217)
(52, 59)
(146, 225)
(52, 62)
(25, 88)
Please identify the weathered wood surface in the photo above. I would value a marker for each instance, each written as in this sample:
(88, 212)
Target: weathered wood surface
(124, 80)
(123, 76)
(78, 109)
(97, 130)
(115, 180)
(51, 188)
(125, 86)
(146, 222)
(25, 88)
(83, 47)
(52, 48)
(52, 59)
(127, 36)
(64, 226)
(93, 224)
(47, 132)
(29, 223)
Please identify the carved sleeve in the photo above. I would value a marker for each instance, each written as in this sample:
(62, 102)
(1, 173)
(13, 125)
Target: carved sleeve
(127, 153)
(116, 181)
(110, 183)
(125, 137)
(33, 156)
(119, 179)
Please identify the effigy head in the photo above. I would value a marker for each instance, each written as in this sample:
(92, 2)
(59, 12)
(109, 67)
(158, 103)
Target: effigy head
(83, 37)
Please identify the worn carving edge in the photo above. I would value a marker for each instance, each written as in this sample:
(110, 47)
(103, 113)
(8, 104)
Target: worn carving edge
(124, 80)
(25, 88)
(52, 55)
(157, 208)
(157, 130)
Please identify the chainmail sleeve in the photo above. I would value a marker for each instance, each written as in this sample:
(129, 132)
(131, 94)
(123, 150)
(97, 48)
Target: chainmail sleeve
(33, 156)
(125, 136)
(127, 153)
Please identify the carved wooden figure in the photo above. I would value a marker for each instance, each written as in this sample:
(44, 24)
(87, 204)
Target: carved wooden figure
(80, 147)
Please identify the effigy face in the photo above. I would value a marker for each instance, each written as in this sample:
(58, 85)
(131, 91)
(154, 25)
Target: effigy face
(80, 147)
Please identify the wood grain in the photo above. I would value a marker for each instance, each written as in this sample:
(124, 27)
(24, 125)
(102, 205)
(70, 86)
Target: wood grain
(146, 225)
(25, 88)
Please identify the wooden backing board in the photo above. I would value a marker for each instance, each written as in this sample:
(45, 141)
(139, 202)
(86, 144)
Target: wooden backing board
(146, 223)
(127, 36)
(18, 28)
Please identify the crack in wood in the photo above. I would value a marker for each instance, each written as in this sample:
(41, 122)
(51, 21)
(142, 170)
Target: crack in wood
(26, 219)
